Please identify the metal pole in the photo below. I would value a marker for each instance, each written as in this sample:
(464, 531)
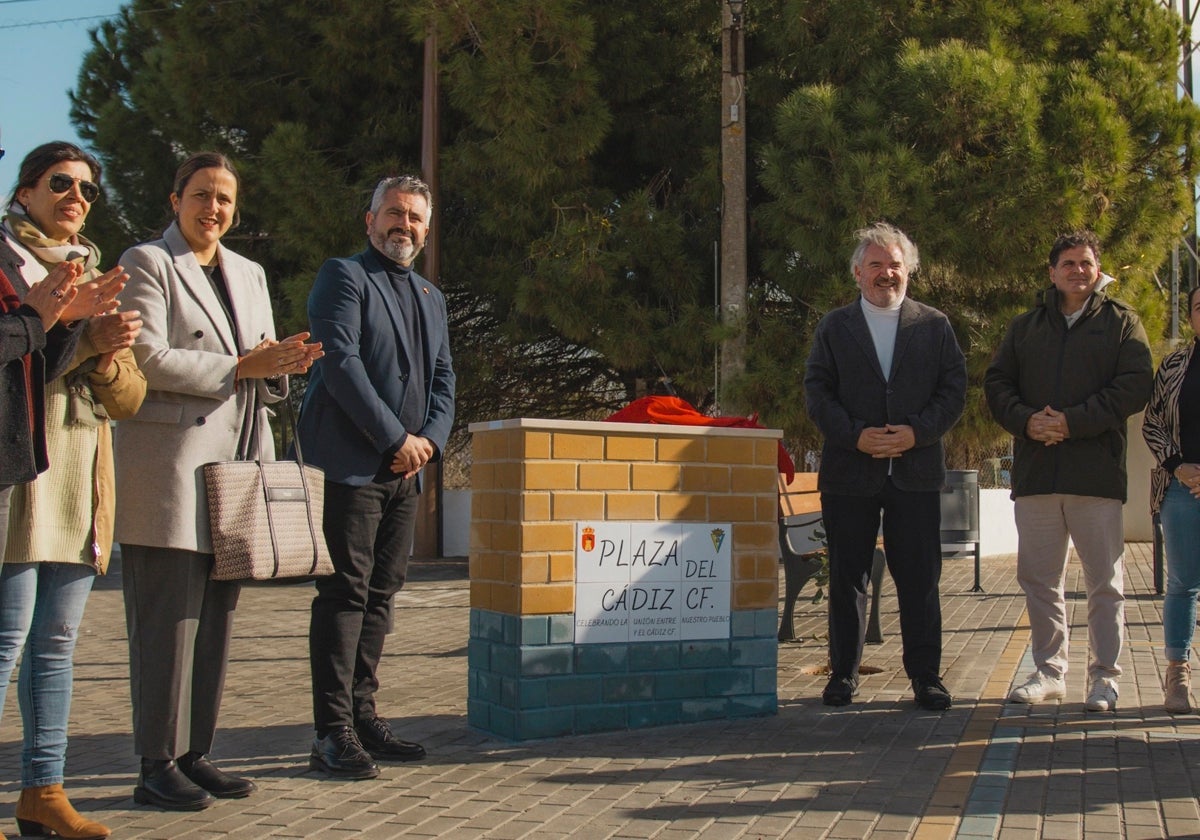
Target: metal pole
(733, 214)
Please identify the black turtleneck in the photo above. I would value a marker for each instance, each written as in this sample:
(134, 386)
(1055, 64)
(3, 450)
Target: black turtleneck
(412, 413)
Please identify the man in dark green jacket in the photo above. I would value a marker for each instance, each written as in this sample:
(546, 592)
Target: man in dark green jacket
(1065, 380)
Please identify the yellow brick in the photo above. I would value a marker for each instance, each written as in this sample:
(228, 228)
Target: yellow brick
(507, 475)
(577, 447)
(483, 476)
(474, 567)
(604, 476)
(705, 479)
(512, 569)
(481, 595)
(767, 507)
(479, 538)
(686, 507)
(745, 567)
(547, 536)
(763, 536)
(487, 505)
(766, 452)
(534, 445)
(504, 536)
(535, 507)
(732, 509)
(631, 506)
(535, 568)
(491, 566)
(550, 475)
(723, 450)
(681, 449)
(768, 566)
(756, 595)
(629, 448)
(562, 567)
(513, 506)
(506, 598)
(753, 480)
(577, 506)
(547, 600)
(656, 476)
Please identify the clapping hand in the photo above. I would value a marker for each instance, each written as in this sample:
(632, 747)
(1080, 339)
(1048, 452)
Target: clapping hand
(95, 297)
(51, 297)
(274, 358)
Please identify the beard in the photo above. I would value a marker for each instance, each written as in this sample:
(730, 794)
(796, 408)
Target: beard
(402, 251)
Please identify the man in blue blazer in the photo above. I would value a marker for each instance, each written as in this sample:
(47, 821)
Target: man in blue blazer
(378, 408)
(885, 381)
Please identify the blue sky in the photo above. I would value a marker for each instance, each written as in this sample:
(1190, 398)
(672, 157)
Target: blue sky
(42, 44)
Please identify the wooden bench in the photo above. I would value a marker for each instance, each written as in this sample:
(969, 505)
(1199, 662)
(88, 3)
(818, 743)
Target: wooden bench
(800, 549)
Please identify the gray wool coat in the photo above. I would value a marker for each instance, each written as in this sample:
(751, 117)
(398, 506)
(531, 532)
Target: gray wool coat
(194, 410)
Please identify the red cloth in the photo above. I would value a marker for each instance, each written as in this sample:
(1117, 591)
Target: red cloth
(674, 411)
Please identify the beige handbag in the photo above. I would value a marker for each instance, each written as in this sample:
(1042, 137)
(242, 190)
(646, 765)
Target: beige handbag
(265, 516)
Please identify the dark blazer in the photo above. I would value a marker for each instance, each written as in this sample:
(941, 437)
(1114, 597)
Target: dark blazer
(22, 444)
(350, 420)
(846, 391)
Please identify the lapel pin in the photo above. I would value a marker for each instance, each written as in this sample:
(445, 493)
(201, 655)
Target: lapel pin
(425, 289)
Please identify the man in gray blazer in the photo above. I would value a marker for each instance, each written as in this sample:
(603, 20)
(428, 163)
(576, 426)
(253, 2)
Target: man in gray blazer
(885, 380)
(378, 408)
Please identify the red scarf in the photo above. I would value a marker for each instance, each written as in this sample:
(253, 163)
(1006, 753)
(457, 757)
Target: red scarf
(9, 303)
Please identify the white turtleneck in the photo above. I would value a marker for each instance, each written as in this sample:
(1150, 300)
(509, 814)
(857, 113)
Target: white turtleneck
(883, 324)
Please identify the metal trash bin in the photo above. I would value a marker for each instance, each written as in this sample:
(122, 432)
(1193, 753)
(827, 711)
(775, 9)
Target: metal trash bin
(960, 517)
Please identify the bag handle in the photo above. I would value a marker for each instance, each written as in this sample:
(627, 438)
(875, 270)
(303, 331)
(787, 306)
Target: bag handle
(250, 431)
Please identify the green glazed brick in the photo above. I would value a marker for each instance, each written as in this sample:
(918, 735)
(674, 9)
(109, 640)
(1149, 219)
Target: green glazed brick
(754, 652)
(562, 629)
(478, 714)
(692, 711)
(766, 681)
(766, 622)
(509, 688)
(545, 723)
(677, 685)
(506, 660)
(601, 659)
(490, 625)
(479, 654)
(654, 656)
(503, 722)
(753, 705)
(601, 718)
(728, 681)
(622, 688)
(485, 686)
(546, 660)
(511, 625)
(574, 691)
(531, 694)
(743, 623)
(705, 654)
(654, 714)
(535, 630)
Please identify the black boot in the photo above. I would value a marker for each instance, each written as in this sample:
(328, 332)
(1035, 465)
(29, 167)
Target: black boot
(197, 767)
(162, 784)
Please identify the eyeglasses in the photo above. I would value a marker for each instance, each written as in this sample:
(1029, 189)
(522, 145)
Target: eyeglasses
(61, 182)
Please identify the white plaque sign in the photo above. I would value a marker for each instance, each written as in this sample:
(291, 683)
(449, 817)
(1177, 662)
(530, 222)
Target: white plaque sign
(652, 582)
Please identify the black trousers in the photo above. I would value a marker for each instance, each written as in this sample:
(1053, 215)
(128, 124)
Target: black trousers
(369, 531)
(912, 542)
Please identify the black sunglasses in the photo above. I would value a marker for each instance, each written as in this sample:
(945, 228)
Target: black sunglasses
(61, 182)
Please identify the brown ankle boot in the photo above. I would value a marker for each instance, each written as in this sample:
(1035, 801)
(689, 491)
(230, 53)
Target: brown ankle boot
(1178, 688)
(41, 810)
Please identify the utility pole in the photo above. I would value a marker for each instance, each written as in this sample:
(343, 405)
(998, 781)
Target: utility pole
(733, 209)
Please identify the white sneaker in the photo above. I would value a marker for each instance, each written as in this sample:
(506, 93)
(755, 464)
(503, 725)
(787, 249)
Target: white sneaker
(1103, 696)
(1037, 687)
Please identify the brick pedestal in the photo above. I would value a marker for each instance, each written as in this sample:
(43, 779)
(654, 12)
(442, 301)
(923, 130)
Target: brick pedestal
(532, 481)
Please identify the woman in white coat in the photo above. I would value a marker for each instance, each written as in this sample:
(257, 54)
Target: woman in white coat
(207, 349)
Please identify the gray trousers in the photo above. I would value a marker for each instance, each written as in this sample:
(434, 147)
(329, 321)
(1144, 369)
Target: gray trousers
(179, 624)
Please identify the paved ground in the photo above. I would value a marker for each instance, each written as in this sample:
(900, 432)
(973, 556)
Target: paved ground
(880, 768)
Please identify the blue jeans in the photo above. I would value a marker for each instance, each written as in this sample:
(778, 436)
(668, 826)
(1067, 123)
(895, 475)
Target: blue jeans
(41, 605)
(1181, 537)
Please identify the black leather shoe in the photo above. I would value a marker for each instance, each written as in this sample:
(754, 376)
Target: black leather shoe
(839, 690)
(203, 772)
(341, 755)
(377, 739)
(162, 784)
(931, 694)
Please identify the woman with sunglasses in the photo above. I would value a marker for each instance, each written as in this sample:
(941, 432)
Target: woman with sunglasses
(212, 361)
(60, 524)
